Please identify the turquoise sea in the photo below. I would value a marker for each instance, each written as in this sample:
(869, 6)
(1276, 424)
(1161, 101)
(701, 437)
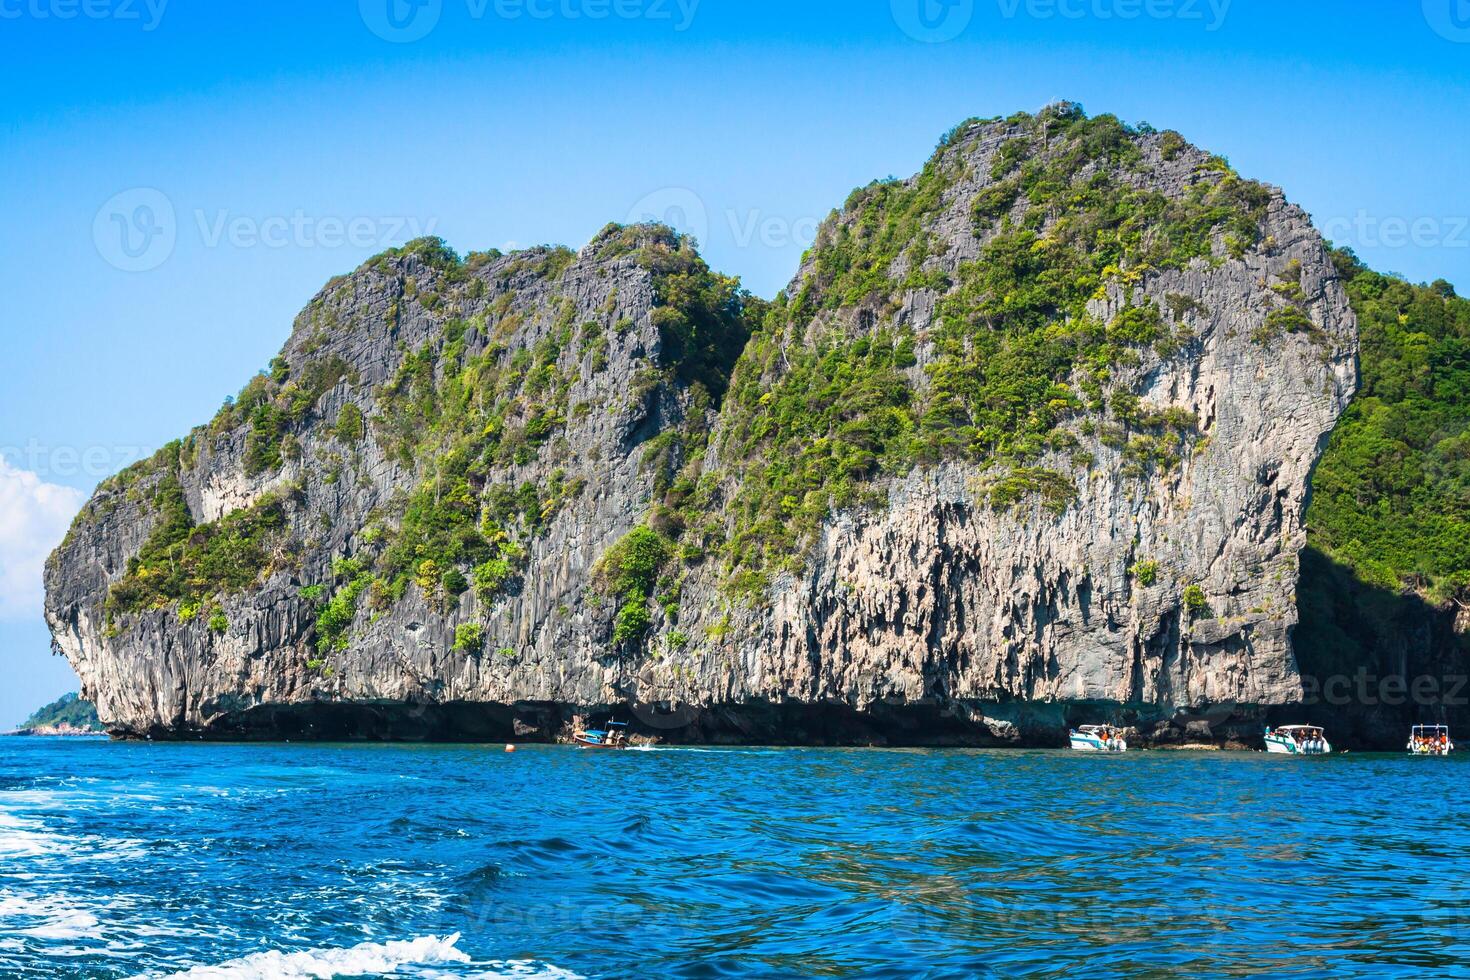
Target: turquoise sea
(286, 861)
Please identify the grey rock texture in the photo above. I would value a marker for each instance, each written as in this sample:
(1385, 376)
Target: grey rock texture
(155, 673)
(934, 618)
(938, 599)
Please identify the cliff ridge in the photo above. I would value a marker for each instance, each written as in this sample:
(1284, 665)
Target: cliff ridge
(1027, 440)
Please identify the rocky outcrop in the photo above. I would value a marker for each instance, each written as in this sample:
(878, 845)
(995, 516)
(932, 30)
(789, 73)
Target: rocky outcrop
(1136, 559)
(938, 598)
(156, 672)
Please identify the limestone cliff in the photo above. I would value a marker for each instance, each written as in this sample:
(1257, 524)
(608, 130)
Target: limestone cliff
(1028, 438)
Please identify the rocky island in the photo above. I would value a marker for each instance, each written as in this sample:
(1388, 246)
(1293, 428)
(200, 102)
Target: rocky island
(68, 715)
(1029, 439)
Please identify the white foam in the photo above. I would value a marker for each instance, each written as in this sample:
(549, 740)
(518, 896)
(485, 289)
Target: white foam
(415, 958)
(50, 918)
(30, 836)
(24, 838)
(76, 924)
(504, 970)
(322, 964)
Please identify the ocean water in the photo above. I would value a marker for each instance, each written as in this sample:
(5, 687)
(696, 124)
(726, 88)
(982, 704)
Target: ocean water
(310, 861)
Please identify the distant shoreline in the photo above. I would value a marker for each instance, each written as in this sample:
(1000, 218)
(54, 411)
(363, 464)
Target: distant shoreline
(64, 731)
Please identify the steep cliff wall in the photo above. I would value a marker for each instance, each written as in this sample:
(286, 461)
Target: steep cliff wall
(1028, 438)
(408, 507)
(1120, 361)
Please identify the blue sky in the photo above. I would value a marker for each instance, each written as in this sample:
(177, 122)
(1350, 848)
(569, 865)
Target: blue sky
(268, 147)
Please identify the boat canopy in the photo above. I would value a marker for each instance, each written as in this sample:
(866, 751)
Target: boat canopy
(1432, 728)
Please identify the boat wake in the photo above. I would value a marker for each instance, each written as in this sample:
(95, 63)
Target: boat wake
(418, 958)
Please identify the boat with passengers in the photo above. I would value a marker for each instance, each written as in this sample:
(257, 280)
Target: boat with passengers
(1430, 740)
(614, 736)
(1297, 740)
(1098, 738)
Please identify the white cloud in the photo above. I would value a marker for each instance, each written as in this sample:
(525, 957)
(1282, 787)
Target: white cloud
(34, 516)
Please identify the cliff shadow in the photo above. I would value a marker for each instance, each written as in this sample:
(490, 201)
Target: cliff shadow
(1374, 661)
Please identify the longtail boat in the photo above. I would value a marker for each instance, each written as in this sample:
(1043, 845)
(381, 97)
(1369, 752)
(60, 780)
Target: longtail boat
(615, 736)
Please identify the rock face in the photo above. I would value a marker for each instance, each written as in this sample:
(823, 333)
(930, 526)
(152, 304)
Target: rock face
(938, 598)
(1126, 548)
(156, 671)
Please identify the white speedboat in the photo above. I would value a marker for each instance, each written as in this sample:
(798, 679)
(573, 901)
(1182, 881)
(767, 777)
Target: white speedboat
(1430, 740)
(1098, 738)
(1297, 740)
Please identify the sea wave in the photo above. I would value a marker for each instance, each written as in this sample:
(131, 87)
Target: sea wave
(419, 958)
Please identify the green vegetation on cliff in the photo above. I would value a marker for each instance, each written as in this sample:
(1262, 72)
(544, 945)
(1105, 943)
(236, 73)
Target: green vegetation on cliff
(832, 393)
(1391, 495)
(462, 419)
(272, 404)
(630, 572)
(461, 410)
(190, 564)
(824, 392)
(701, 315)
